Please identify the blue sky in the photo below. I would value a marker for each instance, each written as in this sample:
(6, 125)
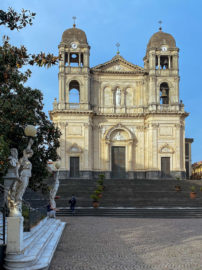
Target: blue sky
(129, 22)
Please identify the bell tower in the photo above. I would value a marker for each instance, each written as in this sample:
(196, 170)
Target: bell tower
(161, 63)
(74, 72)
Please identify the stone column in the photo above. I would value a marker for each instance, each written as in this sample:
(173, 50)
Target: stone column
(107, 159)
(64, 162)
(177, 147)
(79, 59)
(130, 159)
(155, 146)
(159, 62)
(86, 146)
(14, 234)
(150, 141)
(169, 62)
(152, 90)
(140, 147)
(130, 155)
(183, 146)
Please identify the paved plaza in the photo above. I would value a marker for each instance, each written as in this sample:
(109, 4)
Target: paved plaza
(105, 243)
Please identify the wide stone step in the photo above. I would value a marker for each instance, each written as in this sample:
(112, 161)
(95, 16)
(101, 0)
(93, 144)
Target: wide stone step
(136, 212)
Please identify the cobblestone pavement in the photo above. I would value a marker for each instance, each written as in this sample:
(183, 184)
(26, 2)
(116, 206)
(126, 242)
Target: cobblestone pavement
(105, 243)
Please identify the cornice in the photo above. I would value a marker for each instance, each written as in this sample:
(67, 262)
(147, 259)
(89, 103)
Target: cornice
(115, 115)
(71, 112)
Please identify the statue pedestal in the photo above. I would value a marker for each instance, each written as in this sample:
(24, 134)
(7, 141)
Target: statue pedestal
(14, 234)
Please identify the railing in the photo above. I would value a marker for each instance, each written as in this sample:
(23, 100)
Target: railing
(3, 214)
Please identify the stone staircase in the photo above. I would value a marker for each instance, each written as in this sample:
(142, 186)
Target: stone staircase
(155, 212)
(137, 198)
(39, 246)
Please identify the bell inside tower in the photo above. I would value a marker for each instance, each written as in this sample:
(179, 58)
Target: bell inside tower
(163, 62)
(164, 93)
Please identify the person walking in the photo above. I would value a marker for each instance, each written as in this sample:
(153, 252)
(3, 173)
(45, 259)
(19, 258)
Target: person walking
(72, 203)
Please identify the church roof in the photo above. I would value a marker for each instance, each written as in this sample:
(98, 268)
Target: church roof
(74, 34)
(161, 38)
(118, 65)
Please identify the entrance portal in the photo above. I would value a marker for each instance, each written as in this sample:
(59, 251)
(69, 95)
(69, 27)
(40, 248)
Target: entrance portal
(74, 166)
(118, 162)
(165, 167)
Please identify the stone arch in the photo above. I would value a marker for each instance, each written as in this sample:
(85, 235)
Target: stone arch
(166, 148)
(118, 127)
(74, 148)
(164, 81)
(74, 91)
(74, 78)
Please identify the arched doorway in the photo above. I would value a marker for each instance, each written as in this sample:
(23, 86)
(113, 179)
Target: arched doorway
(119, 143)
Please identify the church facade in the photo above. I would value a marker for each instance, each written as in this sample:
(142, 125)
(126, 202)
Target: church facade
(117, 118)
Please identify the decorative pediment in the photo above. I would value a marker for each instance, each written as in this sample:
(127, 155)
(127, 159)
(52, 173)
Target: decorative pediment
(118, 65)
(75, 149)
(118, 133)
(166, 148)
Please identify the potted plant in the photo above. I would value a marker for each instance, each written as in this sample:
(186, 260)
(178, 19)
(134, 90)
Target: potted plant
(95, 199)
(98, 193)
(193, 192)
(101, 180)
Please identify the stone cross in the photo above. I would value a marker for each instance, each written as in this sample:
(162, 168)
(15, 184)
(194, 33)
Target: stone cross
(160, 23)
(74, 19)
(118, 45)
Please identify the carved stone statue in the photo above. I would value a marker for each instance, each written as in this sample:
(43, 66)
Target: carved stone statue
(118, 97)
(19, 186)
(54, 190)
(119, 136)
(14, 164)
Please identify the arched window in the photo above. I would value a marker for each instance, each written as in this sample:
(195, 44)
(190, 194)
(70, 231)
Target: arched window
(74, 92)
(164, 93)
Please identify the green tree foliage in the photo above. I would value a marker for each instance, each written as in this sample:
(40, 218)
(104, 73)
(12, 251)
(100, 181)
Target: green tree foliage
(20, 105)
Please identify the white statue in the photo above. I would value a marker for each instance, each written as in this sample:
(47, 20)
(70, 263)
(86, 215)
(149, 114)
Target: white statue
(19, 186)
(54, 190)
(118, 97)
(118, 136)
(14, 164)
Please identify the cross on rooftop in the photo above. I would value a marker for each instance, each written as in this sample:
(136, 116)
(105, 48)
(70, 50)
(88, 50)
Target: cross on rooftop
(118, 45)
(160, 22)
(74, 18)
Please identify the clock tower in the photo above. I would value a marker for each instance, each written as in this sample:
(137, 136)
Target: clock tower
(161, 62)
(74, 79)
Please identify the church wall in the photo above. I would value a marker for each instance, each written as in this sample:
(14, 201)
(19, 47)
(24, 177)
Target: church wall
(133, 93)
(120, 105)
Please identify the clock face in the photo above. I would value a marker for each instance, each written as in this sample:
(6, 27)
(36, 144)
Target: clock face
(74, 45)
(164, 48)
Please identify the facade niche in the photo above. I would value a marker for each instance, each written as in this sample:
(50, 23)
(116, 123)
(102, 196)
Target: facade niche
(164, 93)
(74, 92)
